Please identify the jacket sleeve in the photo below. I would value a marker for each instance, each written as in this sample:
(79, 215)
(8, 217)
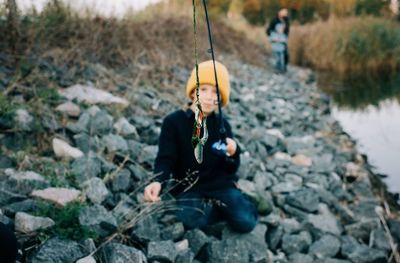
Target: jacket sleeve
(167, 152)
(232, 163)
(271, 26)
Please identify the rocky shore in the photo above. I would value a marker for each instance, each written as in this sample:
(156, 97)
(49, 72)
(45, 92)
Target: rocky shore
(73, 165)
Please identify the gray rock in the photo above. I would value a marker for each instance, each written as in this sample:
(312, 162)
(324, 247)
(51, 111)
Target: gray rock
(82, 125)
(121, 181)
(359, 253)
(186, 256)
(305, 199)
(378, 240)
(85, 143)
(331, 260)
(324, 222)
(286, 187)
(274, 237)
(301, 258)
(27, 223)
(290, 225)
(148, 155)
(118, 253)
(98, 218)
(394, 227)
(253, 242)
(96, 190)
(296, 243)
(6, 162)
(27, 205)
(125, 209)
(197, 239)
(101, 123)
(147, 230)
(85, 168)
(323, 163)
(24, 120)
(325, 247)
(163, 251)
(173, 232)
(262, 181)
(362, 229)
(57, 250)
(115, 143)
(227, 251)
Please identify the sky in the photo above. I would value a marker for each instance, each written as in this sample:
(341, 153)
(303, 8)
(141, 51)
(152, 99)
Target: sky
(102, 7)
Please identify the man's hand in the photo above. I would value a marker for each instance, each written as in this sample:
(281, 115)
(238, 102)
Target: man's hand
(230, 146)
(152, 192)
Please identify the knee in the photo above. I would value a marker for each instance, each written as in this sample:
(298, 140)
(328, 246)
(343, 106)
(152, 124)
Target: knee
(192, 217)
(244, 224)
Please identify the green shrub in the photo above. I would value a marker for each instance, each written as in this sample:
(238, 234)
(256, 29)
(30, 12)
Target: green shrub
(66, 221)
(7, 112)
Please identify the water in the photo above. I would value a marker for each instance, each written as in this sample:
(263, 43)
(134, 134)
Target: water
(369, 110)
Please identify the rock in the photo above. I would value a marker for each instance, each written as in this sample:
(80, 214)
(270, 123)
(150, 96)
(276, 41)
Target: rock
(286, 187)
(163, 251)
(302, 160)
(331, 260)
(82, 125)
(173, 232)
(324, 222)
(274, 237)
(99, 219)
(182, 246)
(394, 227)
(305, 199)
(186, 256)
(325, 247)
(91, 95)
(148, 155)
(124, 128)
(24, 176)
(24, 120)
(63, 149)
(57, 250)
(96, 190)
(101, 122)
(361, 253)
(301, 258)
(121, 181)
(147, 230)
(115, 143)
(88, 259)
(378, 240)
(227, 251)
(118, 253)
(85, 168)
(290, 225)
(6, 162)
(362, 229)
(197, 239)
(253, 242)
(27, 205)
(296, 243)
(59, 196)
(27, 223)
(69, 108)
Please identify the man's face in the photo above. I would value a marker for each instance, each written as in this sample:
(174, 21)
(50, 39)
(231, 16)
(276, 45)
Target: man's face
(208, 98)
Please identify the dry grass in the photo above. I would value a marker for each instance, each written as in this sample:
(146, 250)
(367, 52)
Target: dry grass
(145, 46)
(351, 45)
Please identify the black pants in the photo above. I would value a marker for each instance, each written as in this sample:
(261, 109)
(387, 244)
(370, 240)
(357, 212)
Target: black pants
(8, 245)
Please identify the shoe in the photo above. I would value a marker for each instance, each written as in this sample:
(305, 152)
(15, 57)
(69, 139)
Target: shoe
(263, 205)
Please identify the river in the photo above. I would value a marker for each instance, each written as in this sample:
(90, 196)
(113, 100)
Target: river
(369, 110)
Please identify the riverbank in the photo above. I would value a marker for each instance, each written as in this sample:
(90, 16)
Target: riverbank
(323, 205)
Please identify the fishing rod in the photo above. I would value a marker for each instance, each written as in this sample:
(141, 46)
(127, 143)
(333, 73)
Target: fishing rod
(218, 147)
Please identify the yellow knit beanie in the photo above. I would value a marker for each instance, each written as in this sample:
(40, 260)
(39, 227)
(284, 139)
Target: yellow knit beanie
(206, 76)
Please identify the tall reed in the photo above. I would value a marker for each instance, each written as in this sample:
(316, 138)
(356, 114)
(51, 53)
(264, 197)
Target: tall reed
(348, 45)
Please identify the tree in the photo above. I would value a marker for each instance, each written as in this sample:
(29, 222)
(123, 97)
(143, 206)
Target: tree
(12, 21)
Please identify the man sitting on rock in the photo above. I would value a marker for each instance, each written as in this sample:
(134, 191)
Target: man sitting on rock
(205, 192)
